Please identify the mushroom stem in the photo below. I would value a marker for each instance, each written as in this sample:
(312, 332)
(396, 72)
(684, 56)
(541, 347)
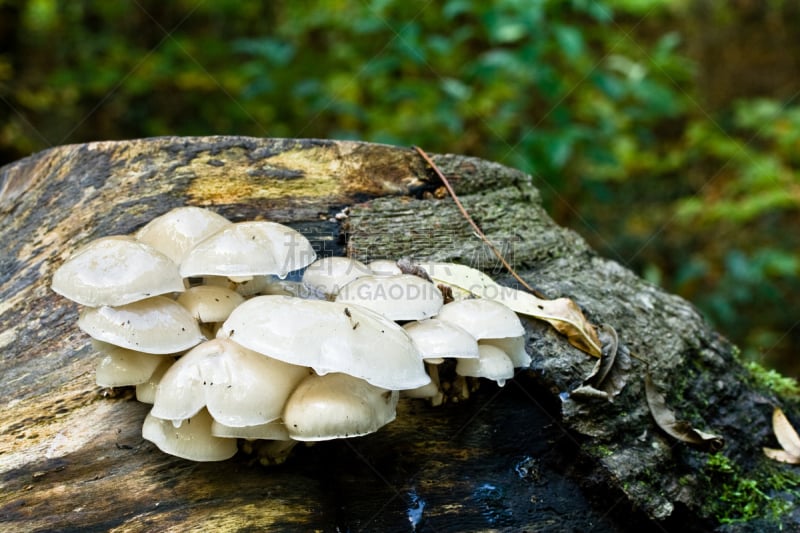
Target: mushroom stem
(269, 452)
(433, 372)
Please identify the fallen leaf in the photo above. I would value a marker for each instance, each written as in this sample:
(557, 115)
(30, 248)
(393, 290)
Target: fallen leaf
(785, 432)
(681, 430)
(610, 373)
(562, 313)
(787, 438)
(567, 318)
(782, 456)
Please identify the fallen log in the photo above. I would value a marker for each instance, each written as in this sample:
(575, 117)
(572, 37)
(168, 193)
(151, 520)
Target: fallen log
(528, 456)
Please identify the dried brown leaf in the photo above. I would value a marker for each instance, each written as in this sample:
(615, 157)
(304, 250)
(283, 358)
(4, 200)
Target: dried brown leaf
(611, 371)
(678, 429)
(781, 455)
(785, 433)
(567, 318)
(562, 313)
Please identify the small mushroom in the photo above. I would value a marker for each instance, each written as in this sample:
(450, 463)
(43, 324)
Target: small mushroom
(177, 231)
(483, 319)
(269, 452)
(329, 274)
(398, 297)
(116, 271)
(191, 439)
(328, 337)
(493, 364)
(254, 285)
(156, 325)
(209, 303)
(437, 339)
(146, 392)
(239, 387)
(336, 406)
(249, 249)
(514, 347)
(120, 367)
(432, 391)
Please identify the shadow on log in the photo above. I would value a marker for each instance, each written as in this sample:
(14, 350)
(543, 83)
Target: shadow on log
(523, 457)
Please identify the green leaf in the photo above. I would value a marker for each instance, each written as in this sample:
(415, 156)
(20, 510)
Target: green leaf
(570, 40)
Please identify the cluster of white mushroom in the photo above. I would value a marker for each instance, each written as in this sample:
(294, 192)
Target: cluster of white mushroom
(197, 313)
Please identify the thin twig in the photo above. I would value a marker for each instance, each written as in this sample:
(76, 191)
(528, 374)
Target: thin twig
(472, 223)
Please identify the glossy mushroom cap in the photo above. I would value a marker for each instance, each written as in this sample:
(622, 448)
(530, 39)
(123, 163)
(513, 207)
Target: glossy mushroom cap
(210, 303)
(328, 337)
(176, 232)
(155, 325)
(249, 249)
(483, 319)
(493, 364)
(337, 406)
(192, 439)
(329, 274)
(238, 386)
(120, 367)
(435, 338)
(514, 347)
(146, 392)
(116, 271)
(398, 297)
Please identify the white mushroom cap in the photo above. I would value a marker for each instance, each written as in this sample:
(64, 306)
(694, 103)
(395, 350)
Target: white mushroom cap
(329, 337)
(116, 271)
(146, 392)
(337, 406)
(514, 347)
(120, 367)
(483, 319)
(399, 297)
(274, 430)
(249, 249)
(435, 339)
(191, 440)
(255, 285)
(330, 274)
(210, 303)
(155, 325)
(177, 231)
(493, 364)
(238, 386)
(384, 267)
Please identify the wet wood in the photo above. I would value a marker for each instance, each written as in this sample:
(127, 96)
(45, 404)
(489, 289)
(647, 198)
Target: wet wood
(524, 457)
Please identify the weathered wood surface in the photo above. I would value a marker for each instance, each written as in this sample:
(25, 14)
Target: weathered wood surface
(525, 457)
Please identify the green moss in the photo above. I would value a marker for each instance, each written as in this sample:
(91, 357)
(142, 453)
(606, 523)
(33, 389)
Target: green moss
(737, 498)
(773, 380)
(601, 450)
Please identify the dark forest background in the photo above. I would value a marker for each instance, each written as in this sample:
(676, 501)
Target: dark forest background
(665, 132)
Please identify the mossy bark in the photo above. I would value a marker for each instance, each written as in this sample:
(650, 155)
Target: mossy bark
(522, 457)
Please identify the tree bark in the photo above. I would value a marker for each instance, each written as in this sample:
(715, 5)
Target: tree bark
(523, 457)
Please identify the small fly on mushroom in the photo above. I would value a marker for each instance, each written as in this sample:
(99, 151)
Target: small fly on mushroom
(323, 358)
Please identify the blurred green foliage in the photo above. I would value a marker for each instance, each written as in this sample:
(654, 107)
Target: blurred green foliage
(595, 98)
